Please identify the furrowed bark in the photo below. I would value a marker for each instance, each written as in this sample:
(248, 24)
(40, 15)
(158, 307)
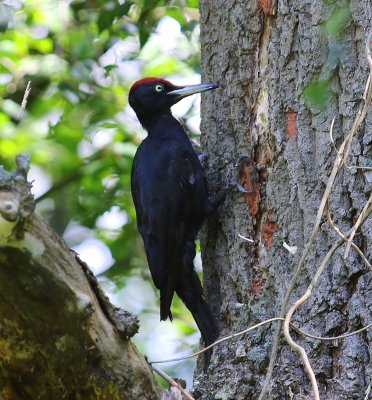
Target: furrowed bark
(284, 77)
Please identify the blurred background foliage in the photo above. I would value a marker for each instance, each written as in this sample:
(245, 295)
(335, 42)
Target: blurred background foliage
(320, 91)
(81, 58)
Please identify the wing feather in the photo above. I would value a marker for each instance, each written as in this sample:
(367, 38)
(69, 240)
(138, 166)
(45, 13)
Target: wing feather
(163, 196)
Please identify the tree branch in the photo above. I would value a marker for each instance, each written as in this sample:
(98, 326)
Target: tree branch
(57, 325)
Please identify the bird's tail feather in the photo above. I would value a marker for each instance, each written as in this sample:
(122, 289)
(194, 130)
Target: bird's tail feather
(205, 321)
(165, 304)
(191, 293)
(174, 255)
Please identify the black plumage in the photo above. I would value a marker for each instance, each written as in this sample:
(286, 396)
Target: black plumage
(170, 195)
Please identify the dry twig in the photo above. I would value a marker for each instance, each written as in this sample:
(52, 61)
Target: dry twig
(24, 100)
(330, 338)
(354, 246)
(234, 335)
(245, 238)
(172, 382)
(368, 391)
(367, 209)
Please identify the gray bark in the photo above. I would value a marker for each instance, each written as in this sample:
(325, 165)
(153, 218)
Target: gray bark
(263, 121)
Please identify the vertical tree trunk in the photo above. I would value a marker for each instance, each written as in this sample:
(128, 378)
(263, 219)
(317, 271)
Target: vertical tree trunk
(286, 70)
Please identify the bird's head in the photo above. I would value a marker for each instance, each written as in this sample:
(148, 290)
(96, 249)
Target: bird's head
(151, 96)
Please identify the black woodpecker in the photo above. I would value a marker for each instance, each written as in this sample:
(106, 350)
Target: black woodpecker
(170, 194)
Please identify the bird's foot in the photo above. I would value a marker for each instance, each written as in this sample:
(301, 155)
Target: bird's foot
(238, 180)
(235, 183)
(218, 198)
(202, 156)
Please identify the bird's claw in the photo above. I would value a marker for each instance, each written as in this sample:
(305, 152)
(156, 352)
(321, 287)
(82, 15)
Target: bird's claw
(242, 189)
(235, 182)
(202, 156)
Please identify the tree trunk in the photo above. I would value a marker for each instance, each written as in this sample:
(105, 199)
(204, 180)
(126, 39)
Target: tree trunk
(286, 70)
(60, 338)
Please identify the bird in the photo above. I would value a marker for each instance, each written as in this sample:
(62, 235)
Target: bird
(170, 195)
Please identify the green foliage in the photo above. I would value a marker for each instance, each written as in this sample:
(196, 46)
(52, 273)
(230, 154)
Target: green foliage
(337, 21)
(318, 93)
(81, 59)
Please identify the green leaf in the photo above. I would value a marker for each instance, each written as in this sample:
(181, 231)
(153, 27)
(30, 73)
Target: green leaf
(318, 94)
(109, 68)
(177, 14)
(148, 19)
(110, 12)
(193, 3)
(337, 21)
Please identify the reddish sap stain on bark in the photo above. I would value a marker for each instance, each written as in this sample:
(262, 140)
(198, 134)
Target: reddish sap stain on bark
(249, 180)
(257, 285)
(268, 229)
(291, 128)
(265, 6)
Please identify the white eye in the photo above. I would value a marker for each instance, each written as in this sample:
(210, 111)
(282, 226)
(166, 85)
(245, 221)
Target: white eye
(159, 87)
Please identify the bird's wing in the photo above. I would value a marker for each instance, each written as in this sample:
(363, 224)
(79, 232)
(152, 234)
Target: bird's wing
(163, 181)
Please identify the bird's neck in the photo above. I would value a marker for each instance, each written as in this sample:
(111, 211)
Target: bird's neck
(160, 123)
